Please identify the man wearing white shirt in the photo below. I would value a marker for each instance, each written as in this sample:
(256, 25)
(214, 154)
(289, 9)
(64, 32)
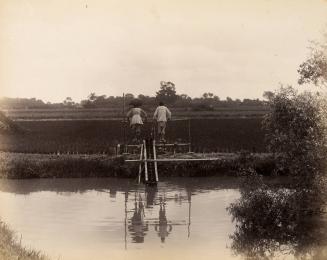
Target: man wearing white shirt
(161, 115)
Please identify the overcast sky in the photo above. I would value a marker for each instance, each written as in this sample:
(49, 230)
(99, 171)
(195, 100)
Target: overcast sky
(52, 49)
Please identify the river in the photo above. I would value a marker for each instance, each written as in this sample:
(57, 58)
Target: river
(82, 219)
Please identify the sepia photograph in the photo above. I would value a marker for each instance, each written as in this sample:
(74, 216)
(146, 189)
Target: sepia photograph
(135, 130)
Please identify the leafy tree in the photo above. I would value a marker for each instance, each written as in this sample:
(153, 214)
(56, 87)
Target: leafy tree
(87, 104)
(314, 69)
(100, 101)
(185, 97)
(288, 221)
(269, 95)
(92, 97)
(167, 92)
(183, 100)
(208, 95)
(296, 134)
(237, 101)
(129, 96)
(68, 102)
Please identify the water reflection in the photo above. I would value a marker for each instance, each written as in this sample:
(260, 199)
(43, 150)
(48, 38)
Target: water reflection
(137, 226)
(184, 217)
(150, 199)
(114, 185)
(150, 194)
(275, 223)
(163, 228)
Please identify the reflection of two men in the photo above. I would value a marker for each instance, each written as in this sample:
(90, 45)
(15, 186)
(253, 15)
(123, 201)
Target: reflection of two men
(138, 227)
(163, 228)
(150, 192)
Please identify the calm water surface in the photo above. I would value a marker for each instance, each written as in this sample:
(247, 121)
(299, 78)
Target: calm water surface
(116, 219)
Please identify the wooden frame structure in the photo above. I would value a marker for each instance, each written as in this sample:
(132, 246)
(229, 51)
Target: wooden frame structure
(148, 161)
(145, 162)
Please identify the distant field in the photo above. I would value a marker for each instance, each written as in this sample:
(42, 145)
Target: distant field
(101, 136)
(115, 113)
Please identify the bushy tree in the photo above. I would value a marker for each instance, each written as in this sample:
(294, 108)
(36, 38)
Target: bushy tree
(68, 102)
(167, 92)
(92, 97)
(271, 220)
(296, 134)
(183, 100)
(314, 69)
(268, 95)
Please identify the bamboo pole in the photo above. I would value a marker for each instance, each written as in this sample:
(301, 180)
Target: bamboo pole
(145, 162)
(140, 165)
(189, 135)
(118, 149)
(124, 124)
(125, 222)
(189, 219)
(155, 160)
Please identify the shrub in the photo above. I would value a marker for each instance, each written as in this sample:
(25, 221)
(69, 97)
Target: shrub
(271, 221)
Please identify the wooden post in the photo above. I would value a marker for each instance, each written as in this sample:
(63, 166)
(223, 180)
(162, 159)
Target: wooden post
(118, 149)
(154, 129)
(189, 135)
(124, 124)
(155, 160)
(145, 162)
(140, 165)
(189, 218)
(125, 222)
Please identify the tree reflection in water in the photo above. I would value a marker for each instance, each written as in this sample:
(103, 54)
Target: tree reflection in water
(272, 223)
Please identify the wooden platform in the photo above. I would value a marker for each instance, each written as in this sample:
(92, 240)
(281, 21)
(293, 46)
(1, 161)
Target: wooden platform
(175, 159)
(159, 145)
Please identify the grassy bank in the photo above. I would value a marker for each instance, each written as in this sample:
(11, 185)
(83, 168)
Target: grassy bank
(19, 166)
(11, 248)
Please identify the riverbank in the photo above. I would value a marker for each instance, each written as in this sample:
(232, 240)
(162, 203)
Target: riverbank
(11, 248)
(22, 165)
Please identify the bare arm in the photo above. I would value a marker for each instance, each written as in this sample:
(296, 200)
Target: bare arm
(155, 114)
(168, 113)
(129, 113)
(143, 113)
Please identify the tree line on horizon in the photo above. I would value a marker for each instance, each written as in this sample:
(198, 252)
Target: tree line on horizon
(313, 70)
(167, 94)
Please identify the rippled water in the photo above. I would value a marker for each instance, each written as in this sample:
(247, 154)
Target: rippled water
(117, 219)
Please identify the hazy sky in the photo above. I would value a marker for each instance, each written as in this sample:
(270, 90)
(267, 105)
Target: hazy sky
(52, 49)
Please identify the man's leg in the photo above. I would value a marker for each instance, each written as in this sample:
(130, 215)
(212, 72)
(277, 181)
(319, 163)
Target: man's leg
(133, 133)
(163, 131)
(159, 131)
(137, 132)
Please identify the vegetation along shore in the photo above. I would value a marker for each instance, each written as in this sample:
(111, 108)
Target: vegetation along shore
(22, 165)
(12, 249)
